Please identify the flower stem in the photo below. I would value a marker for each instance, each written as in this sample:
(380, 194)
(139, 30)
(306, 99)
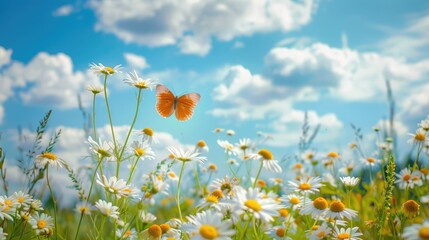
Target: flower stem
(257, 175)
(129, 132)
(108, 113)
(53, 201)
(417, 157)
(93, 118)
(197, 180)
(178, 191)
(133, 168)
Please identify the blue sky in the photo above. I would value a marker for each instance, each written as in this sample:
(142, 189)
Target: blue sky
(258, 65)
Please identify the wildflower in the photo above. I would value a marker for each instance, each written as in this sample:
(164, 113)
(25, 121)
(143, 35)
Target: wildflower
(83, 208)
(411, 208)
(319, 232)
(293, 201)
(158, 185)
(148, 135)
(146, 217)
(226, 185)
(133, 79)
(186, 156)
(424, 173)
(317, 208)
(214, 200)
(344, 234)
(114, 186)
(201, 146)
(244, 144)
(154, 232)
(230, 132)
(419, 137)
(212, 168)
(22, 199)
(277, 181)
(218, 130)
(3, 235)
(348, 167)
(229, 148)
(337, 210)
(408, 179)
(253, 201)
(174, 223)
(42, 224)
(100, 69)
(142, 150)
(94, 89)
(5, 212)
(48, 158)
(107, 209)
(208, 225)
(172, 176)
(279, 232)
(309, 185)
(417, 231)
(333, 155)
(267, 159)
(371, 161)
(349, 182)
(424, 124)
(233, 162)
(102, 149)
(127, 234)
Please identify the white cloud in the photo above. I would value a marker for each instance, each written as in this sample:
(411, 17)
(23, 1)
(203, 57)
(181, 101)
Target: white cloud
(64, 10)
(5, 55)
(136, 61)
(192, 24)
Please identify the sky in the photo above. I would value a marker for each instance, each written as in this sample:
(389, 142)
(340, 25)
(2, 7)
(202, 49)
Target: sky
(259, 66)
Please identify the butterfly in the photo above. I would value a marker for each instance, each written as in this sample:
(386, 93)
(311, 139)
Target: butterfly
(183, 106)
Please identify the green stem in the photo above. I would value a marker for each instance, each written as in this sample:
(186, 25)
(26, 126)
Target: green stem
(93, 118)
(197, 180)
(129, 132)
(257, 175)
(108, 113)
(53, 201)
(417, 157)
(132, 170)
(178, 191)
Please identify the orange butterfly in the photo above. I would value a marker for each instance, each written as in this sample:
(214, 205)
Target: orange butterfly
(168, 103)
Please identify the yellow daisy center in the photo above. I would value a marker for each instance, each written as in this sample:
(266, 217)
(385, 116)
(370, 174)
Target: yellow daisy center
(265, 154)
(411, 208)
(212, 167)
(261, 183)
(424, 232)
(421, 137)
(283, 212)
(164, 227)
(370, 160)
(171, 156)
(294, 200)
(20, 199)
(109, 70)
(406, 177)
(278, 180)
(49, 156)
(139, 151)
(320, 203)
(155, 231)
(280, 232)
(333, 154)
(343, 236)
(208, 232)
(310, 156)
(253, 204)
(424, 171)
(104, 152)
(141, 84)
(83, 209)
(337, 206)
(321, 234)
(315, 227)
(217, 193)
(226, 186)
(298, 166)
(304, 186)
(127, 233)
(201, 143)
(148, 131)
(212, 199)
(41, 224)
(8, 202)
(172, 174)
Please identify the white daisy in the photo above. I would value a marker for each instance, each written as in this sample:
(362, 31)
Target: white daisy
(48, 158)
(306, 185)
(201, 146)
(22, 199)
(186, 156)
(293, 201)
(276, 181)
(424, 124)
(370, 161)
(253, 201)
(130, 234)
(133, 79)
(114, 186)
(102, 149)
(142, 150)
(337, 210)
(83, 208)
(230, 132)
(148, 135)
(95, 89)
(349, 181)
(319, 232)
(226, 185)
(244, 144)
(317, 208)
(227, 146)
(100, 69)
(408, 179)
(107, 209)
(267, 159)
(419, 137)
(344, 234)
(42, 224)
(146, 217)
(208, 225)
(280, 232)
(417, 231)
(308, 155)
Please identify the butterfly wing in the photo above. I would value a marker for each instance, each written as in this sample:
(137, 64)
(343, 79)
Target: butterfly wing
(165, 101)
(185, 106)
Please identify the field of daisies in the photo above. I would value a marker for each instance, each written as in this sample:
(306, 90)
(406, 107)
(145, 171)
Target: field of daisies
(319, 197)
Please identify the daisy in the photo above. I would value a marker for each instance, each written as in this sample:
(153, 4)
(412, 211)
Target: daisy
(83, 208)
(267, 159)
(417, 231)
(319, 232)
(424, 124)
(293, 201)
(142, 150)
(253, 201)
(215, 201)
(201, 146)
(419, 137)
(226, 185)
(276, 181)
(385, 146)
(42, 224)
(230, 132)
(5, 212)
(349, 182)
(95, 89)
(218, 130)
(186, 156)
(107, 209)
(212, 168)
(347, 168)
(333, 156)
(229, 148)
(209, 225)
(154, 232)
(172, 176)
(370, 161)
(244, 144)
(100, 69)
(159, 185)
(127, 234)
(48, 158)
(424, 173)
(22, 199)
(102, 149)
(148, 135)
(411, 208)
(317, 208)
(113, 185)
(280, 232)
(311, 185)
(133, 79)
(337, 210)
(308, 155)
(408, 179)
(146, 217)
(344, 234)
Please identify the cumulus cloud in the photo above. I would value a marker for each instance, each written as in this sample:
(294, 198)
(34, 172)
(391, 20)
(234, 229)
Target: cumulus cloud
(63, 11)
(193, 24)
(136, 61)
(5, 55)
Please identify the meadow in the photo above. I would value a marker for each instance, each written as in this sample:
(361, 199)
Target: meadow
(319, 197)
